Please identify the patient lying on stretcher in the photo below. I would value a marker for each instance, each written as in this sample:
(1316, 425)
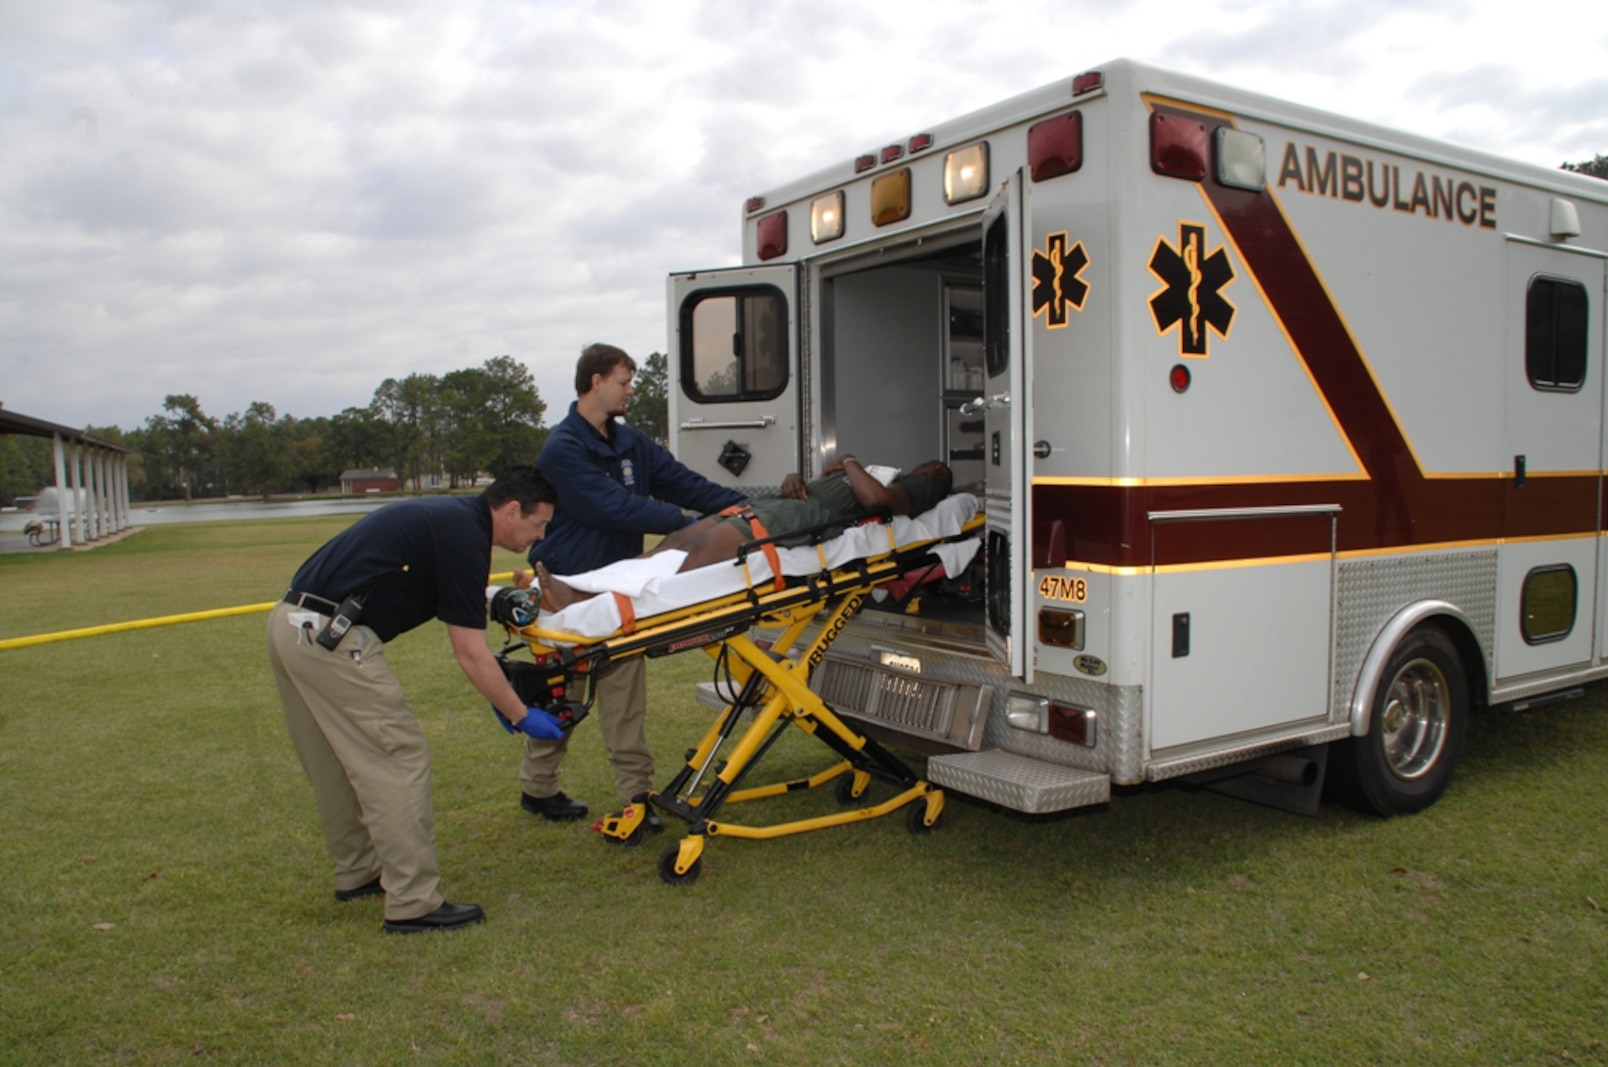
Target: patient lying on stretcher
(843, 490)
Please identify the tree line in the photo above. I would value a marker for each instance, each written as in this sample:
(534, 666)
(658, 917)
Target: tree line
(455, 427)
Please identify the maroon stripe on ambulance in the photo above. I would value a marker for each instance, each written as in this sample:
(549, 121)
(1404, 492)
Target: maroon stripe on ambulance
(1395, 507)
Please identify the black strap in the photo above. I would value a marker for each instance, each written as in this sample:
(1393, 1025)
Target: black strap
(308, 600)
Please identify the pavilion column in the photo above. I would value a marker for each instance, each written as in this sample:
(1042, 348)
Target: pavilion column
(124, 519)
(63, 515)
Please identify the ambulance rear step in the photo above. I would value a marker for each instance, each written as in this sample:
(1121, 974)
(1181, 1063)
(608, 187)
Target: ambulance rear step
(1018, 782)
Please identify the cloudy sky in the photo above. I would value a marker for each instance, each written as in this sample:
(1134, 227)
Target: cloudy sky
(291, 201)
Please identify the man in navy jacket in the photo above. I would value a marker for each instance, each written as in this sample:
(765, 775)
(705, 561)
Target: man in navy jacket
(615, 485)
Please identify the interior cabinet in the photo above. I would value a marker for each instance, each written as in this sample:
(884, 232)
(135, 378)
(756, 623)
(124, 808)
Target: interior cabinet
(962, 381)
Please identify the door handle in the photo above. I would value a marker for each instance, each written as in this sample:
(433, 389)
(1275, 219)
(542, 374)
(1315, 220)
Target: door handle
(760, 423)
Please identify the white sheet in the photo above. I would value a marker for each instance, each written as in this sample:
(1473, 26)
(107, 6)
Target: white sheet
(654, 586)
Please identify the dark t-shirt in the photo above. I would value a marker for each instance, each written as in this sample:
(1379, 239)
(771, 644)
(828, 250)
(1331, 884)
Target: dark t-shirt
(415, 560)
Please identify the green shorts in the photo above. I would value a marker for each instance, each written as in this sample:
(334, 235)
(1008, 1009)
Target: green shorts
(780, 514)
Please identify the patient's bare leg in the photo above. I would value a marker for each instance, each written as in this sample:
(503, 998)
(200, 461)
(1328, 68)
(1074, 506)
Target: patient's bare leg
(716, 544)
(556, 594)
(687, 535)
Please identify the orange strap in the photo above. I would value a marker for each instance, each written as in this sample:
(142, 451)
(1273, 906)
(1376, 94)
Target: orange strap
(757, 528)
(627, 613)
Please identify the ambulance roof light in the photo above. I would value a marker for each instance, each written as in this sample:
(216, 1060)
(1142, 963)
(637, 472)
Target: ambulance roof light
(826, 217)
(966, 173)
(920, 143)
(1087, 82)
(1564, 218)
(1241, 159)
(1055, 146)
(892, 152)
(890, 197)
(864, 163)
(771, 235)
(754, 204)
(1178, 147)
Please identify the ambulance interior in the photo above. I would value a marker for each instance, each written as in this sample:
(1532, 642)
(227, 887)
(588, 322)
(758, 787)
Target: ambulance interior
(900, 354)
(901, 351)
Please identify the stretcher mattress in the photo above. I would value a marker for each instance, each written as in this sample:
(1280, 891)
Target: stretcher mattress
(653, 585)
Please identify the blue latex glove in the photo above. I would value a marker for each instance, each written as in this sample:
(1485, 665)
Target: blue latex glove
(536, 723)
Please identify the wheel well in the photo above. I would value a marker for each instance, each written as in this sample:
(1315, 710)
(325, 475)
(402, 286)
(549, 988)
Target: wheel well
(1439, 615)
(1469, 651)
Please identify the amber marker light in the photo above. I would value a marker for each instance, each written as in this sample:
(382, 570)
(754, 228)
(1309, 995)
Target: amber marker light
(826, 217)
(890, 197)
(966, 173)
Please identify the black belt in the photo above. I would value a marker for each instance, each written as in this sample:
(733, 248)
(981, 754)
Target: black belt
(308, 600)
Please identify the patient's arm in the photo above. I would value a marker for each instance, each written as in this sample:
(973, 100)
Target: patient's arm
(871, 494)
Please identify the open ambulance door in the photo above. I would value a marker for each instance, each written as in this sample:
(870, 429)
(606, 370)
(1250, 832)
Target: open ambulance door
(1007, 410)
(733, 370)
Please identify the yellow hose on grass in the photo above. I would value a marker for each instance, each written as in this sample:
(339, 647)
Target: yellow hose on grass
(164, 620)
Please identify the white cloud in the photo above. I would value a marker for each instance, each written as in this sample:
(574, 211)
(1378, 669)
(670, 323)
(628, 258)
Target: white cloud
(290, 203)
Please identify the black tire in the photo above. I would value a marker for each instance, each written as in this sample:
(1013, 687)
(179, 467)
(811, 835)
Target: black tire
(916, 819)
(1415, 732)
(667, 867)
(632, 840)
(845, 790)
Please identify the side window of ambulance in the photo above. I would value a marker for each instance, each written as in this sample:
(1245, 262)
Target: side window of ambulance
(734, 344)
(1556, 311)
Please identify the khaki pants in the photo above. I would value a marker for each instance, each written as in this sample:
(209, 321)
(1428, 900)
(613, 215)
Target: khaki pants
(366, 756)
(622, 712)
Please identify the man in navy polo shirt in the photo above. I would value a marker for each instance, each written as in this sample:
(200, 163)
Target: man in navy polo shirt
(352, 727)
(618, 485)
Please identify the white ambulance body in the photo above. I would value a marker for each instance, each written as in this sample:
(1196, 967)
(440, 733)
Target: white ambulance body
(1289, 431)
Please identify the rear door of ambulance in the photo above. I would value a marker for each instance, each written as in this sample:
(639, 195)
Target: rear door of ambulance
(733, 363)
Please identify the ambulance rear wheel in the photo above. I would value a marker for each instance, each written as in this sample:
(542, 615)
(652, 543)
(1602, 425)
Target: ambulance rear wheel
(667, 867)
(1415, 733)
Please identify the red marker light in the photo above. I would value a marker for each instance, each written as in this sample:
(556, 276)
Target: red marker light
(1087, 82)
(1055, 146)
(920, 143)
(864, 163)
(892, 152)
(1178, 147)
(754, 204)
(1179, 377)
(771, 235)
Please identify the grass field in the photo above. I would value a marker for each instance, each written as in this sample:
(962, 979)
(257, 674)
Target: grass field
(166, 897)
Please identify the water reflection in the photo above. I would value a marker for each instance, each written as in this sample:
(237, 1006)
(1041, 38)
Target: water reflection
(155, 514)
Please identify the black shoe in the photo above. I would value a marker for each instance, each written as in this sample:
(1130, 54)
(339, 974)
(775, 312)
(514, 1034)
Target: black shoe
(368, 889)
(446, 917)
(557, 808)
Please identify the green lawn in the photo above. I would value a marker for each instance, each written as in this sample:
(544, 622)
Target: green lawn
(167, 898)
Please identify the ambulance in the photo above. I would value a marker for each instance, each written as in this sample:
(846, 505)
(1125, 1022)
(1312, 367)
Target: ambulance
(1288, 430)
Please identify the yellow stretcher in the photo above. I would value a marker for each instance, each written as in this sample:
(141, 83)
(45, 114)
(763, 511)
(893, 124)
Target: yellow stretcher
(771, 682)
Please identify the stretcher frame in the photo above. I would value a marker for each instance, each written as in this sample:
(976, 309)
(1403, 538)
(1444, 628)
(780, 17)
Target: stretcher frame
(774, 686)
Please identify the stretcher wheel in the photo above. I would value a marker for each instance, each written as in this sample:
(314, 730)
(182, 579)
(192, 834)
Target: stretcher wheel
(916, 819)
(667, 867)
(631, 841)
(846, 794)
